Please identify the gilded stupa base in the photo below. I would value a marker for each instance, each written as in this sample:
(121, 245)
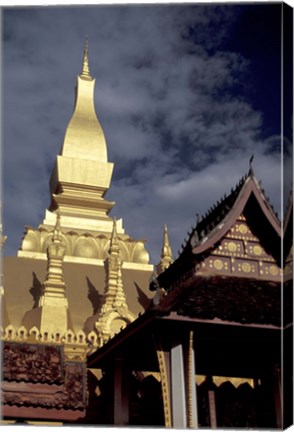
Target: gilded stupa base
(86, 240)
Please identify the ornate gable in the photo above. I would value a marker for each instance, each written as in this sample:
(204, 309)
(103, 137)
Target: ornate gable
(239, 236)
(240, 253)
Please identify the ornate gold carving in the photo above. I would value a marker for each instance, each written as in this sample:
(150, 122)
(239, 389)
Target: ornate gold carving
(243, 228)
(76, 345)
(114, 314)
(232, 247)
(85, 246)
(257, 250)
(246, 267)
(218, 264)
(273, 270)
(164, 385)
(52, 314)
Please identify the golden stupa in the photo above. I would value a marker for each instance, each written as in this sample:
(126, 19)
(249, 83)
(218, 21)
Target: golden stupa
(80, 179)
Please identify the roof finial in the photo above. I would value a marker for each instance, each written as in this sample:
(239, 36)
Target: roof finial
(250, 172)
(85, 71)
(166, 253)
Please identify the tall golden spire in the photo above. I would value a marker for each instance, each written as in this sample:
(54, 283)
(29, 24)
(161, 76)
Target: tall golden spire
(82, 173)
(79, 182)
(85, 70)
(166, 258)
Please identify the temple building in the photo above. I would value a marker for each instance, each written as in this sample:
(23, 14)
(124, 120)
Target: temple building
(92, 333)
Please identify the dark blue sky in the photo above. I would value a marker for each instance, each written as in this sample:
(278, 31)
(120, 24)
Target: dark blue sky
(257, 36)
(184, 93)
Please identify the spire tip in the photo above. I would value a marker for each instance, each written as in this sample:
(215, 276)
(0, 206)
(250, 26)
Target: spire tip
(85, 70)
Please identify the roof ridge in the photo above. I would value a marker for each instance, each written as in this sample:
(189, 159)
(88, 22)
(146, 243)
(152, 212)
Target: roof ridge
(266, 198)
(217, 211)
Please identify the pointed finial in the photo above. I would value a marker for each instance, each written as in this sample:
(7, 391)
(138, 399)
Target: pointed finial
(114, 247)
(166, 253)
(166, 249)
(250, 173)
(85, 71)
(57, 228)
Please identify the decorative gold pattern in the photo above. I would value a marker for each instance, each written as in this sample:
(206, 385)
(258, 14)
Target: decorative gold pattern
(273, 270)
(164, 385)
(246, 267)
(76, 345)
(218, 264)
(242, 248)
(232, 247)
(243, 228)
(114, 314)
(257, 250)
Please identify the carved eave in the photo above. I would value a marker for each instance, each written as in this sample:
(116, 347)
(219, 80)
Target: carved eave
(248, 191)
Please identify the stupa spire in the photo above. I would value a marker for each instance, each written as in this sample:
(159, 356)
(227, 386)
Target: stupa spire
(166, 258)
(79, 183)
(54, 284)
(114, 247)
(56, 238)
(85, 69)
(52, 314)
(114, 310)
(114, 292)
(82, 173)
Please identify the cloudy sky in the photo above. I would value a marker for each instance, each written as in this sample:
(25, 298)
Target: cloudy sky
(185, 95)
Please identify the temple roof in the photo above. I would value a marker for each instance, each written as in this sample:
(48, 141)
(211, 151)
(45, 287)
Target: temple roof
(246, 200)
(229, 207)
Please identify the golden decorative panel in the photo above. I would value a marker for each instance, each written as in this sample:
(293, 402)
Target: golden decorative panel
(243, 229)
(246, 267)
(164, 385)
(218, 264)
(274, 270)
(232, 247)
(257, 250)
